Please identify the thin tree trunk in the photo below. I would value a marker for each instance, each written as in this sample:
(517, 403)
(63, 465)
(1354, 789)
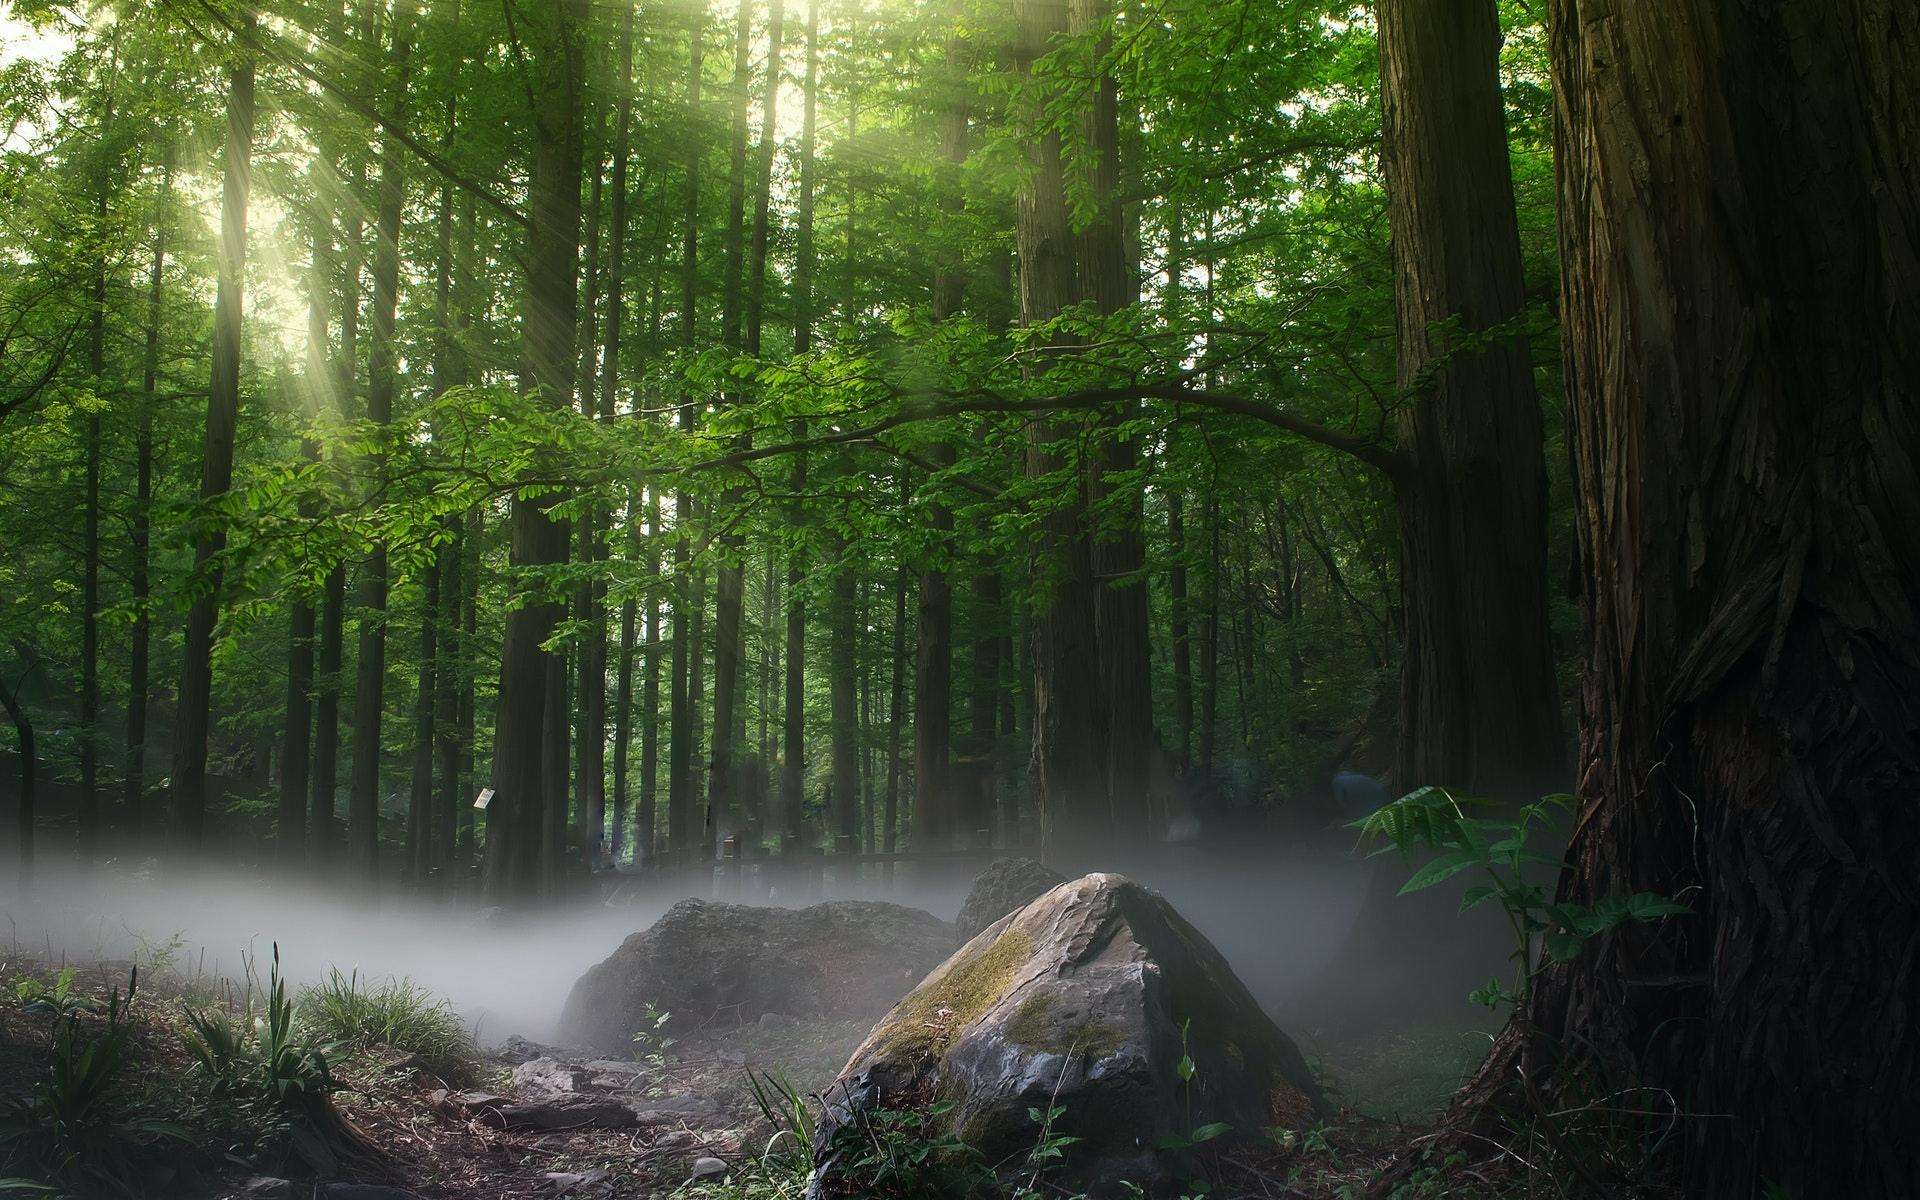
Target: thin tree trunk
(681, 717)
(420, 795)
(370, 664)
(29, 775)
(138, 664)
(896, 712)
(193, 713)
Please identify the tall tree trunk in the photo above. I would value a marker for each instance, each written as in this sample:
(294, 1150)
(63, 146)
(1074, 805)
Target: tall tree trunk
(29, 775)
(842, 687)
(730, 595)
(1210, 635)
(370, 664)
(646, 837)
(1068, 772)
(680, 798)
(141, 518)
(1479, 708)
(1108, 279)
(793, 741)
(193, 713)
(454, 663)
(896, 712)
(517, 862)
(420, 793)
(1740, 341)
(609, 396)
(88, 816)
(984, 702)
(936, 824)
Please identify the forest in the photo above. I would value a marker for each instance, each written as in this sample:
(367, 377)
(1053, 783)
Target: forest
(738, 599)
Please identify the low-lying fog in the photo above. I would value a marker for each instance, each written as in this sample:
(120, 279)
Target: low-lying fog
(1279, 922)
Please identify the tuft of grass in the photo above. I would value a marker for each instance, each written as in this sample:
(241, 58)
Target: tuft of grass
(396, 1013)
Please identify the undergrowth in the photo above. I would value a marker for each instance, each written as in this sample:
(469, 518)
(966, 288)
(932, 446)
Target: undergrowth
(358, 1014)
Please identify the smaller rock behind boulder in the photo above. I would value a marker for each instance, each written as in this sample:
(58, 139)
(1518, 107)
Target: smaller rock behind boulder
(719, 966)
(1007, 885)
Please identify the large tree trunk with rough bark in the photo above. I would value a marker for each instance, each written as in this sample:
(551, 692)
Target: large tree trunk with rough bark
(1478, 708)
(1740, 202)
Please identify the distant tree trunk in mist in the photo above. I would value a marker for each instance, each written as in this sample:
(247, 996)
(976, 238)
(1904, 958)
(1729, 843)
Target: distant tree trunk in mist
(516, 862)
(1067, 775)
(1210, 635)
(793, 732)
(420, 825)
(29, 774)
(896, 712)
(1740, 341)
(193, 713)
(589, 713)
(935, 821)
(469, 674)
(609, 398)
(843, 682)
(88, 816)
(680, 700)
(984, 702)
(646, 836)
(370, 665)
(454, 663)
(140, 571)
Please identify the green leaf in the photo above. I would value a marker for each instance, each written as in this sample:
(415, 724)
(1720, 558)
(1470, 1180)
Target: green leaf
(1565, 947)
(1443, 868)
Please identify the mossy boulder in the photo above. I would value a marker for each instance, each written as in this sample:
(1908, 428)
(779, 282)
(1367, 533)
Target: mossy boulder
(1088, 999)
(717, 966)
(1007, 885)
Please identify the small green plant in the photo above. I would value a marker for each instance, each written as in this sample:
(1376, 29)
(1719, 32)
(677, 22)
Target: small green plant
(58, 999)
(789, 1150)
(650, 1042)
(357, 1014)
(75, 1125)
(1584, 1138)
(1432, 819)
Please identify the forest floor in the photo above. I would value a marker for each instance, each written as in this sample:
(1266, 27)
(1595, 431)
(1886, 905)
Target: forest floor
(442, 1138)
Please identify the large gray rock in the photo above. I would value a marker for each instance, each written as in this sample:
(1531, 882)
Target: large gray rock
(1007, 885)
(714, 965)
(1087, 998)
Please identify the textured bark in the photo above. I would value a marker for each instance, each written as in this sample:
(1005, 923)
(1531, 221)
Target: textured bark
(1108, 280)
(1479, 709)
(192, 717)
(1067, 775)
(370, 664)
(516, 862)
(1744, 351)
